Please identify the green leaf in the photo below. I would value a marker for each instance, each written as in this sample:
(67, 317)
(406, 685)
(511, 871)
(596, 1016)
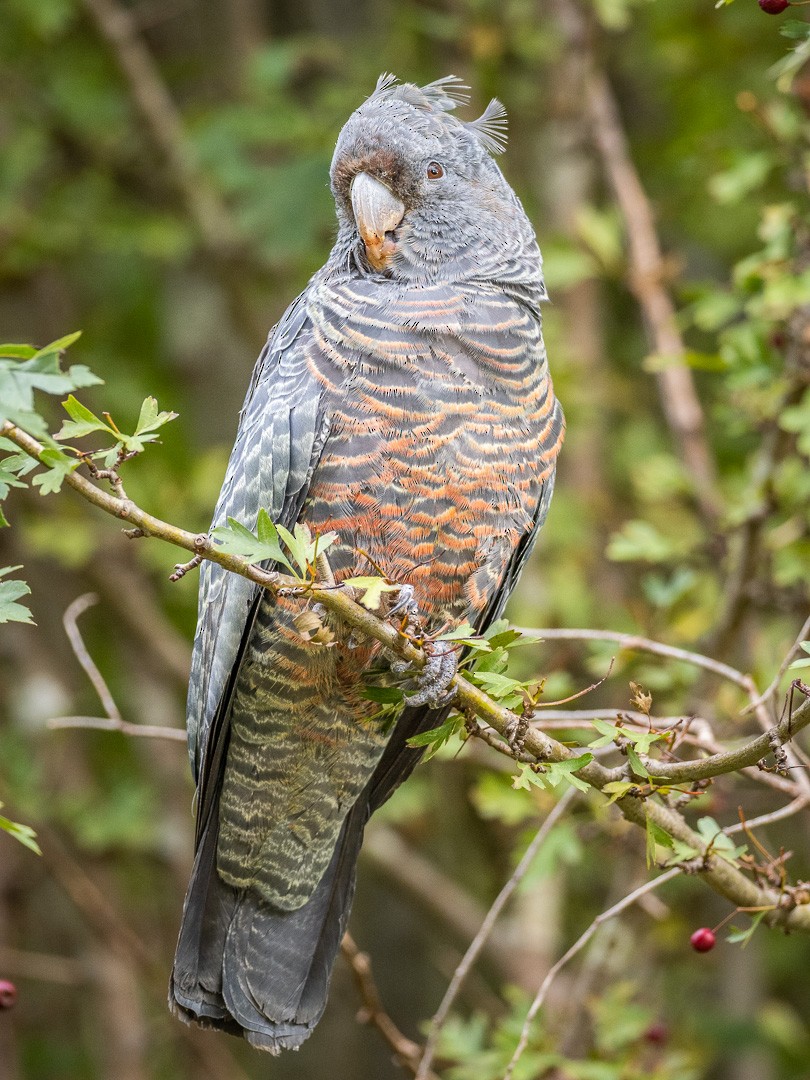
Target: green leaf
(609, 734)
(636, 764)
(466, 635)
(721, 845)
(150, 419)
(305, 549)
(10, 592)
(742, 937)
(18, 352)
(59, 345)
(802, 663)
(496, 684)
(59, 466)
(683, 852)
(81, 376)
(385, 695)
(82, 422)
(553, 773)
(235, 539)
(24, 833)
(372, 589)
(8, 478)
(617, 789)
(655, 836)
(438, 737)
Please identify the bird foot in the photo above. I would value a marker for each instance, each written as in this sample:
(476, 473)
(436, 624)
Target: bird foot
(433, 681)
(405, 602)
(516, 732)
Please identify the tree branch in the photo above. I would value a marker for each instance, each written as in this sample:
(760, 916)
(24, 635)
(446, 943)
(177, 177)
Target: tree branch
(406, 1050)
(648, 273)
(720, 875)
(119, 27)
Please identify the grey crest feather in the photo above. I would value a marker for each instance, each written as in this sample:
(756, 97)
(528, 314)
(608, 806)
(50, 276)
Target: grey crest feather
(490, 127)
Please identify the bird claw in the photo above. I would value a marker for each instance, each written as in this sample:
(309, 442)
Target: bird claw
(433, 681)
(405, 602)
(516, 731)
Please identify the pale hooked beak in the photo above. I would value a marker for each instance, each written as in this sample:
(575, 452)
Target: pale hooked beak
(377, 211)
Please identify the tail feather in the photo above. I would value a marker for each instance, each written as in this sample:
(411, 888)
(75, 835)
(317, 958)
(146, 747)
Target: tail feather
(251, 969)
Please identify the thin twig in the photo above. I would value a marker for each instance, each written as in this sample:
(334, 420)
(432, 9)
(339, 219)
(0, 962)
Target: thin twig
(795, 648)
(577, 947)
(480, 938)
(113, 721)
(100, 723)
(406, 1050)
(783, 812)
(633, 642)
(72, 612)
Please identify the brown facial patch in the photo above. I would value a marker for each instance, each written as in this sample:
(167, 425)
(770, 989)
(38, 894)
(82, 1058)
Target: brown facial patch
(379, 162)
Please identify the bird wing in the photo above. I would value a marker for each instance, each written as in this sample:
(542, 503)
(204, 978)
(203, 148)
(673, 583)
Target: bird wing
(282, 429)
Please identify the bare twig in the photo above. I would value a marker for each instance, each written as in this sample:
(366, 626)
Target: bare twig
(783, 812)
(72, 612)
(113, 721)
(407, 1052)
(636, 642)
(577, 947)
(478, 942)
(100, 723)
(795, 648)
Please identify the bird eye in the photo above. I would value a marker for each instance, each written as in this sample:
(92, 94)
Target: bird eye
(434, 171)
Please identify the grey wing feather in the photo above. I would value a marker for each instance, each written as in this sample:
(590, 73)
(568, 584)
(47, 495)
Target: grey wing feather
(282, 430)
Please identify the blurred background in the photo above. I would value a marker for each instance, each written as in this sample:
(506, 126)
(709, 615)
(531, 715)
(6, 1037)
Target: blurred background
(164, 188)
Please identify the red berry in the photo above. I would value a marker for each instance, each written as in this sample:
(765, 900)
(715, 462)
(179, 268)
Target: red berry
(703, 940)
(774, 7)
(8, 994)
(657, 1033)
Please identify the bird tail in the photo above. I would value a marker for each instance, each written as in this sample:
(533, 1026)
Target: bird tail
(248, 968)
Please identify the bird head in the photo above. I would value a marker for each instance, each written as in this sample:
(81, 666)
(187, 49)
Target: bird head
(419, 197)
